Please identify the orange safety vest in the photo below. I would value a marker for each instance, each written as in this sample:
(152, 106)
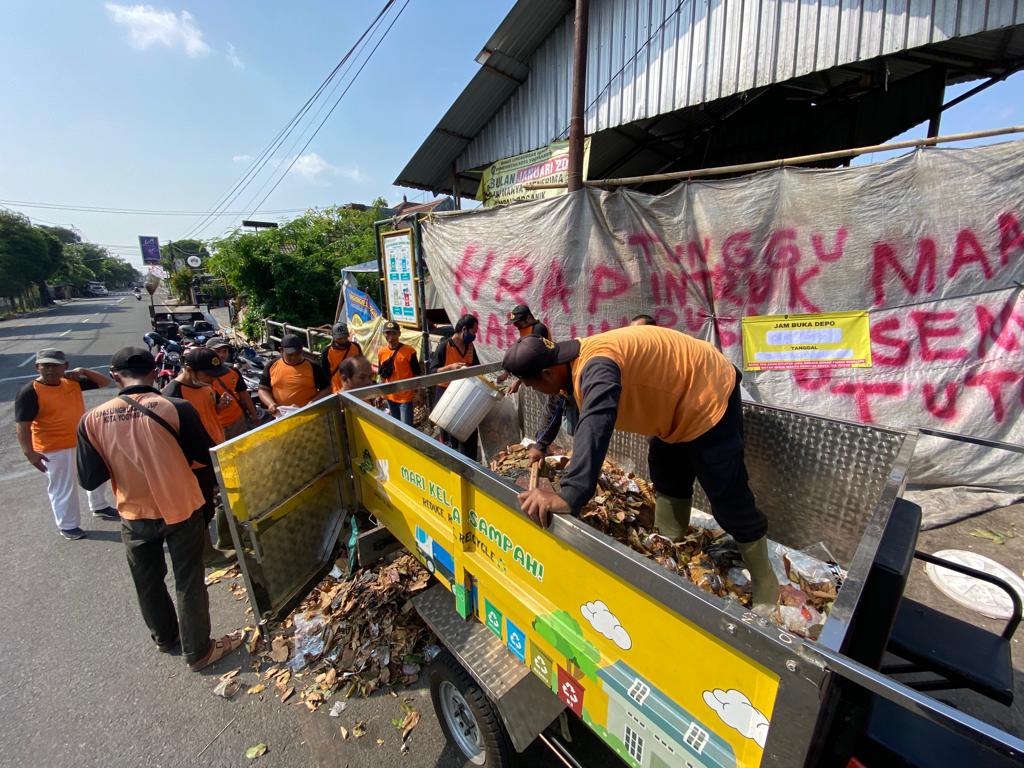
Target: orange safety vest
(403, 369)
(335, 357)
(60, 407)
(452, 355)
(226, 384)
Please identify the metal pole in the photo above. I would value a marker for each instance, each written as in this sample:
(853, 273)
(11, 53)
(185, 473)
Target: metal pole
(784, 161)
(421, 290)
(574, 177)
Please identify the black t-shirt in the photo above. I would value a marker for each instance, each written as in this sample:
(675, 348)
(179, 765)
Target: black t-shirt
(26, 404)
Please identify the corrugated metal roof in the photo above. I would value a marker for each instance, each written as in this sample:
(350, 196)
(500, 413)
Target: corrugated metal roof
(651, 57)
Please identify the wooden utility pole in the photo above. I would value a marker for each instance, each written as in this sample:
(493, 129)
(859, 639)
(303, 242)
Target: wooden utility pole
(579, 89)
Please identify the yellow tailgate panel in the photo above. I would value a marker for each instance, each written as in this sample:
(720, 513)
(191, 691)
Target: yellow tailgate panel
(658, 689)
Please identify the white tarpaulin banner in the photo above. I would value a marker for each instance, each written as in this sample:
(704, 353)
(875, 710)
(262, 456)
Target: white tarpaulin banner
(931, 244)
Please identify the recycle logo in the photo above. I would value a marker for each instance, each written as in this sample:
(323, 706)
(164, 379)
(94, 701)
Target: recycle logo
(540, 666)
(569, 692)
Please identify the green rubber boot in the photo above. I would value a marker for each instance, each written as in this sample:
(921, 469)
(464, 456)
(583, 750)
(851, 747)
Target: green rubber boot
(762, 575)
(672, 516)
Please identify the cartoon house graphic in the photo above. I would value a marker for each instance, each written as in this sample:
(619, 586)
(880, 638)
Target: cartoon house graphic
(655, 732)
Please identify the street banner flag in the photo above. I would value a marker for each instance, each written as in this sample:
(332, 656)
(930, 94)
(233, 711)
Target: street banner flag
(359, 304)
(150, 249)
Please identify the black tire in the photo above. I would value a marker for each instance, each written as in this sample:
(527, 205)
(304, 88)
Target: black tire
(496, 750)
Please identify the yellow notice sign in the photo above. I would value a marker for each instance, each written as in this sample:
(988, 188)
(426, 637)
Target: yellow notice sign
(832, 340)
(503, 181)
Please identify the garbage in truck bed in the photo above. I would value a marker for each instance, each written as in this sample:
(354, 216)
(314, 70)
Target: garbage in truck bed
(623, 508)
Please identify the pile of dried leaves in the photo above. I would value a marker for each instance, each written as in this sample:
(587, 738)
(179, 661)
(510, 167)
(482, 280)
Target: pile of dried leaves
(352, 636)
(623, 508)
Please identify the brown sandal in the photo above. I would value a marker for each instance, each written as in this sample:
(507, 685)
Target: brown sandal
(219, 648)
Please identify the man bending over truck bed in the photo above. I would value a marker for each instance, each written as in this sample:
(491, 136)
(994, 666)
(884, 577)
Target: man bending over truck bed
(682, 393)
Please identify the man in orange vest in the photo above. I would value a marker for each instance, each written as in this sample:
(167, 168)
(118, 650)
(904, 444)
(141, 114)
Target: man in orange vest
(455, 352)
(46, 414)
(395, 362)
(339, 350)
(682, 393)
(292, 380)
(145, 443)
(528, 325)
(234, 401)
(194, 384)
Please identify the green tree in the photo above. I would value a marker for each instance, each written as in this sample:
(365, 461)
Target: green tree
(72, 270)
(180, 283)
(63, 234)
(564, 633)
(26, 258)
(291, 273)
(174, 251)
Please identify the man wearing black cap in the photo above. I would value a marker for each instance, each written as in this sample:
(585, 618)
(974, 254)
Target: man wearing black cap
(338, 351)
(201, 367)
(522, 318)
(144, 443)
(395, 362)
(46, 414)
(235, 402)
(682, 393)
(291, 379)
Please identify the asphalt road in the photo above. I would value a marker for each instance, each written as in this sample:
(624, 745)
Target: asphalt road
(80, 683)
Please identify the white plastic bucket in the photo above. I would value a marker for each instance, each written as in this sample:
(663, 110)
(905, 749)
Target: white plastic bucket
(463, 406)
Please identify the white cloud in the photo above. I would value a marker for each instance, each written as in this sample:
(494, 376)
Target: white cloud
(150, 26)
(605, 622)
(312, 167)
(243, 159)
(737, 712)
(232, 57)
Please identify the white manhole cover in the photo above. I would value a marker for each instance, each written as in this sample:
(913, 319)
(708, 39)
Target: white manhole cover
(987, 599)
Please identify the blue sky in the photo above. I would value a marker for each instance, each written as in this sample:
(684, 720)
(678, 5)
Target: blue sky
(157, 107)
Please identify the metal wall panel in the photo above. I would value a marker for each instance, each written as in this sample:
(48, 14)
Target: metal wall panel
(650, 57)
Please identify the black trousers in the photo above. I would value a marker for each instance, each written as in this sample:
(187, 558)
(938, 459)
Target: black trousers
(715, 460)
(208, 485)
(144, 543)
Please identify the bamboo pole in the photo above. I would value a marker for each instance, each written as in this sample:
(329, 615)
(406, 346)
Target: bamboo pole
(798, 160)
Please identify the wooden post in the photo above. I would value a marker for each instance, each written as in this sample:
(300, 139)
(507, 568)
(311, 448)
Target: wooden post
(574, 177)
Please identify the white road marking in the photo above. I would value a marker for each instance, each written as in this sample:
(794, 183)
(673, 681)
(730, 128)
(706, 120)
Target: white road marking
(16, 378)
(28, 360)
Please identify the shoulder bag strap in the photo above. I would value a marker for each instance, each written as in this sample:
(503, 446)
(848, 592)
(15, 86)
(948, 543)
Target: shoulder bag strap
(154, 416)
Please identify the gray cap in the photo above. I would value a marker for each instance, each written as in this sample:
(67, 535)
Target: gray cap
(51, 356)
(216, 342)
(338, 330)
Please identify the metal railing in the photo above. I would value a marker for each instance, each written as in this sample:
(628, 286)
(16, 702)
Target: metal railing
(274, 331)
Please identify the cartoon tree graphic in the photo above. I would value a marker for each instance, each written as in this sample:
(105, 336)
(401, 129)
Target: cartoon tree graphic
(564, 633)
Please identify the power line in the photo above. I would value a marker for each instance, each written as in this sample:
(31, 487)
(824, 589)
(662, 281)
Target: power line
(257, 166)
(291, 150)
(133, 211)
(338, 101)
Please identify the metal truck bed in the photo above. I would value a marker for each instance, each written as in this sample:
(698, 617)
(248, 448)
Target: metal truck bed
(664, 673)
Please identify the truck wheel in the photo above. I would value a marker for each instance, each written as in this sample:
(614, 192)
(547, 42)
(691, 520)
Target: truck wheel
(468, 718)
(430, 566)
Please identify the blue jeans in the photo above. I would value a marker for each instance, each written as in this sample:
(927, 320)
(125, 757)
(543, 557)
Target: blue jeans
(401, 411)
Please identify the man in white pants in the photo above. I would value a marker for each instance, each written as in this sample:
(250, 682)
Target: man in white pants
(46, 412)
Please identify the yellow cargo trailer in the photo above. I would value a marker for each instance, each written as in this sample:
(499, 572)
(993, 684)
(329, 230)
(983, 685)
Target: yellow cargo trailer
(539, 622)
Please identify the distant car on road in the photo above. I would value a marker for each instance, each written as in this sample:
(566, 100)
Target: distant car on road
(96, 288)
